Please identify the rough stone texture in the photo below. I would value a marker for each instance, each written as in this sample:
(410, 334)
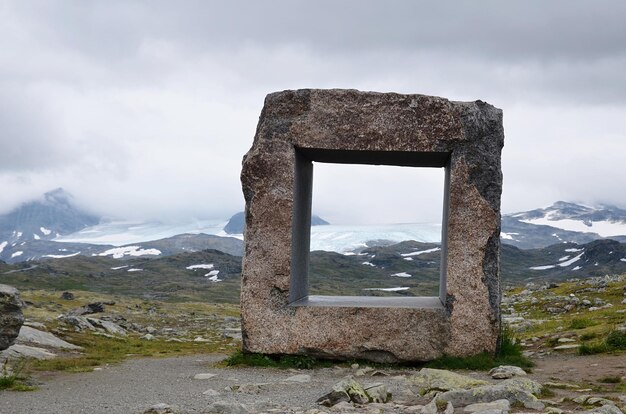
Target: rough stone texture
(296, 123)
(30, 335)
(11, 317)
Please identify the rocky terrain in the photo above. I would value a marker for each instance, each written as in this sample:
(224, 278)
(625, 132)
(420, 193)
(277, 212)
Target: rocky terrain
(574, 332)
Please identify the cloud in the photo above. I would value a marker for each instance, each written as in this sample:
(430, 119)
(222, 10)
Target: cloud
(146, 108)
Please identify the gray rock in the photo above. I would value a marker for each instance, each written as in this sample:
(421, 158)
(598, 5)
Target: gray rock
(18, 351)
(30, 335)
(95, 307)
(108, 326)
(429, 379)
(67, 296)
(518, 389)
(80, 323)
(11, 317)
(501, 405)
(377, 393)
(605, 409)
(161, 409)
(506, 371)
(211, 393)
(223, 407)
(599, 401)
(333, 398)
(300, 378)
(204, 376)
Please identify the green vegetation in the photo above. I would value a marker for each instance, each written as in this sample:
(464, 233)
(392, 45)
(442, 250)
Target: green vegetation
(610, 380)
(252, 359)
(192, 319)
(581, 323)
(614, 341)
(510, 353)
(11, 377)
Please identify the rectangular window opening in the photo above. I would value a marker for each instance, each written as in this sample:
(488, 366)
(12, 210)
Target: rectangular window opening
(385, 244)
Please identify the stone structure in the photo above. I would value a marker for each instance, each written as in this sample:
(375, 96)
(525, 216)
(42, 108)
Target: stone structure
(348, 126)
(11, 318)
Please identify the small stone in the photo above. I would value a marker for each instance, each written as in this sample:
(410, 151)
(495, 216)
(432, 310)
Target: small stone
(211, 392)
(161, 408)
(333, 398)
(502, 405)
(343, 406)
(148, 337)
(554, 410)
(204, 376)
(506, 371)
(565, 340)
(599, 401)
(300, 378)
(581, 399)
(363, 371)
(566, 347)
(223, 407)
(67, 296)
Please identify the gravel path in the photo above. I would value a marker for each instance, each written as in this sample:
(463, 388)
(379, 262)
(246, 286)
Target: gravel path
(140, 383)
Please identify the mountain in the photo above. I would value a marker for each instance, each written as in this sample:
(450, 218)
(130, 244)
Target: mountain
(403, 269)
(47, 249)
(237, 223)
(44, 219)
(563, 222)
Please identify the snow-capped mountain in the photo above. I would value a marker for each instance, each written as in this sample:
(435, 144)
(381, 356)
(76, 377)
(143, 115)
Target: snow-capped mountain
(43, 219)
(563, 222)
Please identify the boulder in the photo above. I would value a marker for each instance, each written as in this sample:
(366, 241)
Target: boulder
(30, 335)
(515, 390)
(11, 317)
(429, 379)
(18, 351)
(80, 323)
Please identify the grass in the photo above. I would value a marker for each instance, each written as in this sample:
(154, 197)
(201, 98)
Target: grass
(610, 380)
(11, 377)
(614, 341)
(100, 350)
(510, 353)
(581, 323)
(252, 359)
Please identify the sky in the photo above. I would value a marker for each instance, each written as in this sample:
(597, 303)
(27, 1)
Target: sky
(144, 109)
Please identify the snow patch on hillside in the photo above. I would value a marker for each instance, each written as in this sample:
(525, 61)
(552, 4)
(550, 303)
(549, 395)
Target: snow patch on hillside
(119, 252)
(45, 231)
(3, 245)
(393, 289)
(135, 270)
(200, 266)
(16, 254)
(401, 274)
(420, 252)
(604, 228)
(60, 256)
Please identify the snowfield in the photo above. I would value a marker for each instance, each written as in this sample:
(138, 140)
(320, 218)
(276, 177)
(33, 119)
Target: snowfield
(603, 228)
(16, 254)
(119, 252)
(3, 245)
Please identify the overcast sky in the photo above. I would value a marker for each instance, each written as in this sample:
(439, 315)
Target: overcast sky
(144, 109)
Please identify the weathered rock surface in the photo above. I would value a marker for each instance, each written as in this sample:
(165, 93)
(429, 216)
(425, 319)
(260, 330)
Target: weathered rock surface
(429, 379)
(18, 351)
(515, 390)
(296, 127)
(11, 317)
(506, 371)
(30, 335)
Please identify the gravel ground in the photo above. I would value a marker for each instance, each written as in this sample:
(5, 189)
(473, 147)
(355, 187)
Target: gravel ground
(137, 384)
